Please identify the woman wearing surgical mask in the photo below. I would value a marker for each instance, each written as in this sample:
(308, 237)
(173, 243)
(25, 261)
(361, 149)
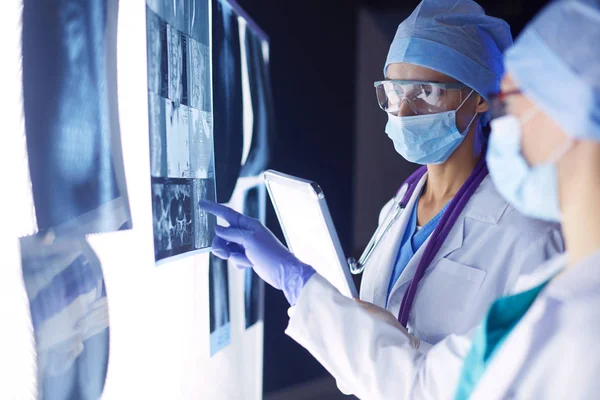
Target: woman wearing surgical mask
(449, 243)
(544, 156)
(452, 244)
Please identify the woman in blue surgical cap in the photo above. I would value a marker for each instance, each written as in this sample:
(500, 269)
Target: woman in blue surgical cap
(452, 244)
(544, 156)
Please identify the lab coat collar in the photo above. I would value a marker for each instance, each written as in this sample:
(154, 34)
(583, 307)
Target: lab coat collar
(388, 252)
(485, 206)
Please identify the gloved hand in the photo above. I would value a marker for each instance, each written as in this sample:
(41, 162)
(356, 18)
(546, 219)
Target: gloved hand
(248, 243)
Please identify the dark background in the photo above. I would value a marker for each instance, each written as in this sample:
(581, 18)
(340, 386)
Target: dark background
(313, 56)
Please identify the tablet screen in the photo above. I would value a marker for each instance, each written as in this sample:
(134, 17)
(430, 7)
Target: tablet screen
(308, 228)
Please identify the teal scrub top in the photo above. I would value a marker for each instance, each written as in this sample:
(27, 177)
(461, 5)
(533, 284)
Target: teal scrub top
(504, 314)
(411, 242)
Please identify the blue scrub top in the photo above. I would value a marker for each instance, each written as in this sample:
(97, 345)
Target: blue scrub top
(412, 241)
(504, 314)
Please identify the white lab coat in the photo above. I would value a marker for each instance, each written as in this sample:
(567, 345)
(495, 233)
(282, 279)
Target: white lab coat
(487, 249)
(552, 353)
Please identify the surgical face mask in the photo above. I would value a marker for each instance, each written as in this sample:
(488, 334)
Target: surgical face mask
(429, 138)
(531, 190)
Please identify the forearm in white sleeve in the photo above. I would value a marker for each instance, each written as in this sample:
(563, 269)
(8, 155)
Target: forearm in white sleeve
(370, 358)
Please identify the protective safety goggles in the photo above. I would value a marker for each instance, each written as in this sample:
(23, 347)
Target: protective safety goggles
(498, 102)
(419, 96)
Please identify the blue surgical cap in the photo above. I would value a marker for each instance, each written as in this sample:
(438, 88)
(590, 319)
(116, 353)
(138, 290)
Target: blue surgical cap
(556, 63)
(456, 38)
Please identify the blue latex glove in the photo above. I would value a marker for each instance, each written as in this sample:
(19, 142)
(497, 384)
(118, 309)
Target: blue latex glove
(248, 243)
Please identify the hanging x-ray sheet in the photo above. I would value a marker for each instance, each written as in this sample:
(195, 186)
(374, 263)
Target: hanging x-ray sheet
(69, 311)
(71, 116)
(218, 291)
(255, 201)
(258, 103)
(78, 187)
(227, 98)
(180, 124)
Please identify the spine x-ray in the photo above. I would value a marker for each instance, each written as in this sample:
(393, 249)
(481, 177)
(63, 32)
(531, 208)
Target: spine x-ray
(78, 187)
(71, 117)
(181, 125)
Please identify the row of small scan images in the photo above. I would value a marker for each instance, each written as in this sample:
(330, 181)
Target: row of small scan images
(178, 65)
(181, 140)
(188, 16)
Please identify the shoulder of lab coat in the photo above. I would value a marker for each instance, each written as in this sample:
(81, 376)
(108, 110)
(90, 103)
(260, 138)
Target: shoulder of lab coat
(369, 358)
(563, 358)
(533, 242)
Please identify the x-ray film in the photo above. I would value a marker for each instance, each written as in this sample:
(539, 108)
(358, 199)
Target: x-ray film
(198, 13)
(69, 311)
(204, 223)
(71, 116)
(158, 139)
(181, 125)
(172, 211)
(227, 98)
(176, 45)
(176, 15)
(201, 138)
(254, 206)
(257, 60)
(156, 36)
(253, 287)
(178, 140)
(220, 326)
(199, 70)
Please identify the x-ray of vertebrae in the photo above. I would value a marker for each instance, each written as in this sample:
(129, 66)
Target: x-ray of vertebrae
(180, 124)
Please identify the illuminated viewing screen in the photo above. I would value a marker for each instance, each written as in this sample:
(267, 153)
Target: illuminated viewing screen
(309, 231)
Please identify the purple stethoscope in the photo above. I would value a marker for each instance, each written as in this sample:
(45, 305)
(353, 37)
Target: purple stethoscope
(456, 206)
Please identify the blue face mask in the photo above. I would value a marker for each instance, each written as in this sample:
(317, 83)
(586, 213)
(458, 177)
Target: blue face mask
(531, 190)
(426, 139)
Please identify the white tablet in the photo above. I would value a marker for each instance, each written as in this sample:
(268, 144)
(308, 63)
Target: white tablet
(308, 228)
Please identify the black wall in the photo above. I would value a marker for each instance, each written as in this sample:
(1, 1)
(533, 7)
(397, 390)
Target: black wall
(312, 72)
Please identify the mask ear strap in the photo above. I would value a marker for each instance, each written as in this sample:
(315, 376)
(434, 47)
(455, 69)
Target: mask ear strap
(474, 116)
(465, 100)
(469, 126)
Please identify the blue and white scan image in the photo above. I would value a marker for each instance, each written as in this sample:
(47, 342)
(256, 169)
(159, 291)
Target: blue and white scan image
(263, 120)
(181, 125)
(69, 311)
(254, 207)
(218, 289)
(78, 185)
(71, 116)
(227, 98)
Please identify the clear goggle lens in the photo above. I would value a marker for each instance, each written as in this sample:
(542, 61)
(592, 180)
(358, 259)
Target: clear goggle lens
(416, 98)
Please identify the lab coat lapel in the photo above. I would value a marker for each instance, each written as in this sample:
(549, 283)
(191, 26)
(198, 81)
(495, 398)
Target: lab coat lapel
(378, 270)
(483, 206)
(452, 242)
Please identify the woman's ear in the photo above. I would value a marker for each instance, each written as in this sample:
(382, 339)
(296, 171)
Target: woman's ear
(482, 105)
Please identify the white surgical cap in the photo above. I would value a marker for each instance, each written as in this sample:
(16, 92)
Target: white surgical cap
(456, 38)
(556, 63)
